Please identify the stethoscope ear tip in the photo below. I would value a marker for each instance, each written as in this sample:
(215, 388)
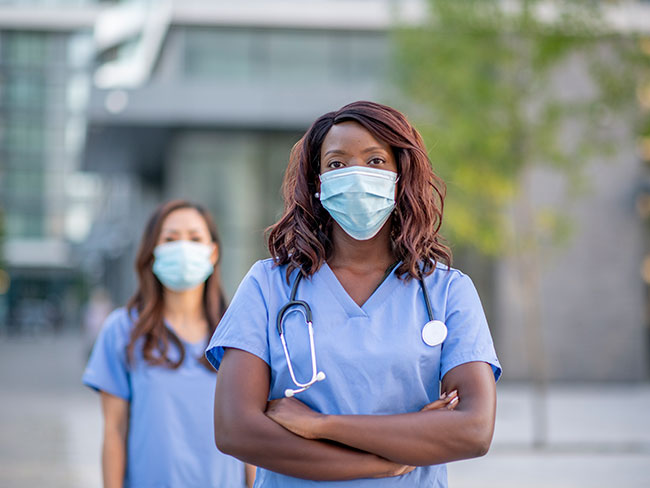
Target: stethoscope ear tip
(320, 376)
(289, 393)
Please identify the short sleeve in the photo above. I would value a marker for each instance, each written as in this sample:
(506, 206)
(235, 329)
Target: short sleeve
(468, 337)
(244, 325)
(107, 369)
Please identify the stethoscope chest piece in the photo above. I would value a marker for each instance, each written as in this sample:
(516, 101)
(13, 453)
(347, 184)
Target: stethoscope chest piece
(434, 332)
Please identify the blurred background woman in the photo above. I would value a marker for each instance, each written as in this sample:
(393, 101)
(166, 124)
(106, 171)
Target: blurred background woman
(156, 386)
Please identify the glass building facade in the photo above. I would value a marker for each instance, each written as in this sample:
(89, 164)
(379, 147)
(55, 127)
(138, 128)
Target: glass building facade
(281, 56)
(43, 93)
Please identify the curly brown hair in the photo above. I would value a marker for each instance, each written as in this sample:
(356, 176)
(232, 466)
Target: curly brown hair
(302, 238)
(148, 299)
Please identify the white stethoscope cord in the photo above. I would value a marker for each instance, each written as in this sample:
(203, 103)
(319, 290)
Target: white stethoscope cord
(315, 374)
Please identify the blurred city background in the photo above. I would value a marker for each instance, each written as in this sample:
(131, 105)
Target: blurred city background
(536, 114)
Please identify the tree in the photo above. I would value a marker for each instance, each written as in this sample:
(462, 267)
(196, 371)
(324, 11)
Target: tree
(482, 77)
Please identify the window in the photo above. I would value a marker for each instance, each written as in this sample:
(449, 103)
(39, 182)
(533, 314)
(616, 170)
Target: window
(224, 54)
(25, 48)
(287, 56)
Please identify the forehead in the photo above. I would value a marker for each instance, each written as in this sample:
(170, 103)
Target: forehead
(184, 219)
(350, 135)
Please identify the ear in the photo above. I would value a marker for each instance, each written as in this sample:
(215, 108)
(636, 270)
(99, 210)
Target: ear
(214, 257)
(317, 194)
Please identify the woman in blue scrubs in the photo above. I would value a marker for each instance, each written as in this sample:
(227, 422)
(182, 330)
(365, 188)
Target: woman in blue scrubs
(361, 224)
(148, 363)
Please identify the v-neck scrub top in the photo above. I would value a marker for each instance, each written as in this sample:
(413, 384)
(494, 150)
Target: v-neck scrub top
(171, 436)
(373, 356)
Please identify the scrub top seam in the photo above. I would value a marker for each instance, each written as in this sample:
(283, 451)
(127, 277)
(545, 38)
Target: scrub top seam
(95, 385)
(350, 307)
(473, 357)
(384, 292)
(335, 288)
(243, 346)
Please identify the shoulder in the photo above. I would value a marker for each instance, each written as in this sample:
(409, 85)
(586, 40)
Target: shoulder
(267, 271)
(260, 280)
(269, 266)
(263, 267)
(451, 282)
(446, 274)
(119, 323)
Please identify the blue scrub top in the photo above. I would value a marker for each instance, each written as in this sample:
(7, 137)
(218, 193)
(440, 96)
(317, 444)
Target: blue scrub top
(373, 356)
(171, 435)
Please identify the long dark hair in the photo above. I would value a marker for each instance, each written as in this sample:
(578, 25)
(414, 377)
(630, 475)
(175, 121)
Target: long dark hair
(302, 238)
(148, 299)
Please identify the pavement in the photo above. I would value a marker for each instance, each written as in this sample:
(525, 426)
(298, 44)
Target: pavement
(596, 435)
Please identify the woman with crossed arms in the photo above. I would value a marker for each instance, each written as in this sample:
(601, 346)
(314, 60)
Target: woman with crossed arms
(358, 252)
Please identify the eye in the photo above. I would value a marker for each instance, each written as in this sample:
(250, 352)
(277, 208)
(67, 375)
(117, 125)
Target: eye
(335, 164)
(376, 161)
(169, 239)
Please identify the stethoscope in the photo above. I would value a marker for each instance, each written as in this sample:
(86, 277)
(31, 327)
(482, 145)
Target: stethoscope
(434, 333)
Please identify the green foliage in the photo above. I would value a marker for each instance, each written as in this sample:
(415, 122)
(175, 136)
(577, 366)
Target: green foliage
(491, 95)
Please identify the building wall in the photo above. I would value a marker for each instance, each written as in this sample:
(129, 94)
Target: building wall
(45, 200)
(590, 291)
(237, 175)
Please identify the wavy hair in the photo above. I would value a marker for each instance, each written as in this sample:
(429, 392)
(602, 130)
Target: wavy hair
(148, 299)
(302, 238)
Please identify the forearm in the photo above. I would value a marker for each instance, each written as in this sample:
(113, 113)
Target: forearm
(243, 430)
(256, 439)
(426, 437)
(418, 439)
(113, 458)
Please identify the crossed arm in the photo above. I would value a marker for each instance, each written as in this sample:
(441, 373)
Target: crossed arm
(287, 437)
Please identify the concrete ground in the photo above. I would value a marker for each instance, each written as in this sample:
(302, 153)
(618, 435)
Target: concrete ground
(598, 435)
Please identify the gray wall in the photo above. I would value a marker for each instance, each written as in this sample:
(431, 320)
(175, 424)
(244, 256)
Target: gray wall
(591, 295)
(237, 175)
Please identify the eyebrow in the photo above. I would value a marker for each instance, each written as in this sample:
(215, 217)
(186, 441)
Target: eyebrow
(366, 150)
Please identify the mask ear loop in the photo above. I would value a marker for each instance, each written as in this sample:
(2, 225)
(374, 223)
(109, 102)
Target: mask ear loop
(393, 217)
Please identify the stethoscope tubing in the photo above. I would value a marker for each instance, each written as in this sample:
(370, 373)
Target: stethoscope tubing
(427, 301)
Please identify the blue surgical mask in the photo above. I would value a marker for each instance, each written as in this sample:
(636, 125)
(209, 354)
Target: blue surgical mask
(181, 265)
(359, 199)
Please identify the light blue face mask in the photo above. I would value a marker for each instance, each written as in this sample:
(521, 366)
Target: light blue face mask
(359, 199)
(181, 265)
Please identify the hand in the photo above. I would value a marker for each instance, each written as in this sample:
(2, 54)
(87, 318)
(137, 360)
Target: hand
(295, 416)
(394, 469)
(445, 401)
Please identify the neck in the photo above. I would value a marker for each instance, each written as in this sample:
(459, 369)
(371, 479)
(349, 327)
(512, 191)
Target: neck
(184, 306)
(369, 254)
